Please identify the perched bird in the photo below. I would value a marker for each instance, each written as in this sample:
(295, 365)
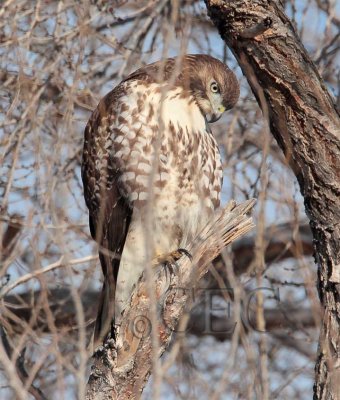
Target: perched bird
(152, 170)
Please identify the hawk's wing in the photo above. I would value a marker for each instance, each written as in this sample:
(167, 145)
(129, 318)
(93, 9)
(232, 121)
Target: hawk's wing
(109, 211)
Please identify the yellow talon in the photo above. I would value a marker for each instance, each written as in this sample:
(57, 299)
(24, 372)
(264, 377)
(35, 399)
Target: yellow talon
(172, 257)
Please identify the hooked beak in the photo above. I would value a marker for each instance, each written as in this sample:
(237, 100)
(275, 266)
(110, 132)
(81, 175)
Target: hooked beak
(213, 117)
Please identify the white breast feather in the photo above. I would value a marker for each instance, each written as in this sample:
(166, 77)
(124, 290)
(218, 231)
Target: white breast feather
(168, 107)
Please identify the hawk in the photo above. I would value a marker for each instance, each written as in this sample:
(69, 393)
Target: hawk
(152, 170)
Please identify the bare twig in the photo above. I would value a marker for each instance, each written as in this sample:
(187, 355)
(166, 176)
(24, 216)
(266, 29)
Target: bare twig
(20, 367)
(58, 264)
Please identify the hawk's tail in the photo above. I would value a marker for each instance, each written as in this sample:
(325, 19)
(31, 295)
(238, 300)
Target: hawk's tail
(106, 307)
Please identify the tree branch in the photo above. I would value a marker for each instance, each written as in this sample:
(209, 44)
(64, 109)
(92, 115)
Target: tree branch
(6, 350)
(33, 275)
(121, 368)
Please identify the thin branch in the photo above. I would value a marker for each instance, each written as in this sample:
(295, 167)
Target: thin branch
(10, 367)
(58, 264)
(20, 367)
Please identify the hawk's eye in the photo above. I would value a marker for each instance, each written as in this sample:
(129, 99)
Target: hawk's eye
(214, 87)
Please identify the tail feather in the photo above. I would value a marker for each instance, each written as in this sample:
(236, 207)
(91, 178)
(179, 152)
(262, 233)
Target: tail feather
(106, 307)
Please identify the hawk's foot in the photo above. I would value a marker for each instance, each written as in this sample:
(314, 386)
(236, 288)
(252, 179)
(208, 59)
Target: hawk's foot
(172, 257)
(169, 260)
(184, 252)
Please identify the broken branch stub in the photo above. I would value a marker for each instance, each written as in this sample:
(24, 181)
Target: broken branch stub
(121, 368)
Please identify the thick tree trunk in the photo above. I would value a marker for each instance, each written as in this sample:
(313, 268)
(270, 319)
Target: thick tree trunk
(306, 125)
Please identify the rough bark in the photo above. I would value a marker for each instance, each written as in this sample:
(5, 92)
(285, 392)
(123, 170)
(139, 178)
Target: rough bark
(121, 367)
(305, 123)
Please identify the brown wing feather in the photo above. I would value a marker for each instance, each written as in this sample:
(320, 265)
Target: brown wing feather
(110, 213)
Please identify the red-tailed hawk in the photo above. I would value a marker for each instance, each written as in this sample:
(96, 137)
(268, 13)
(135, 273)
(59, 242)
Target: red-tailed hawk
(152, 170)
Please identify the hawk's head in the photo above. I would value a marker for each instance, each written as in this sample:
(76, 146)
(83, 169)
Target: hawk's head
(213, 85)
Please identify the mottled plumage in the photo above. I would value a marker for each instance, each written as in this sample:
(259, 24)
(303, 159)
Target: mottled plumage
(151, 168)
